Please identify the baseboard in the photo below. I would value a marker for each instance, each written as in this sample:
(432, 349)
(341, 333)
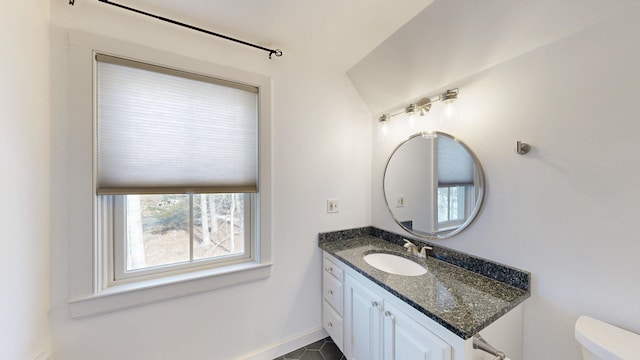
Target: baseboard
(287, 345)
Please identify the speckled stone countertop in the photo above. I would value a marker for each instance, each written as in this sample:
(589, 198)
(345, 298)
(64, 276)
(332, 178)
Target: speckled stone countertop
(461, 300)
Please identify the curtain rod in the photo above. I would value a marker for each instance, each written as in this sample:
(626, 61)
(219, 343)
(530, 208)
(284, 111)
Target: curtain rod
(276, 52)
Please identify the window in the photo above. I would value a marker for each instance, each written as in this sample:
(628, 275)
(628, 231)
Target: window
(451, 206)
(156, 234)
(162, 131)
(456, 179)
(176, 197)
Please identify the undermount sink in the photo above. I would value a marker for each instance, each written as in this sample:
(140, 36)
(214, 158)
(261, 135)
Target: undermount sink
(394, 264)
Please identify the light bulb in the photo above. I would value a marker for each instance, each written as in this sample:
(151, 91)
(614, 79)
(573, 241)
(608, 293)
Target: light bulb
(450, 114)
(411, 120)
(383, 125)
(384, 129)
(410, 112)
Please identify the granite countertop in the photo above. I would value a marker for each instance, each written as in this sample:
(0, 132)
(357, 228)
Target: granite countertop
(461, 300)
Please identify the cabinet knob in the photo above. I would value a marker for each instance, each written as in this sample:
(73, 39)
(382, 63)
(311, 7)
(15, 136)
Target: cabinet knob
(330, 292)
(330, 324)
(375, 304)
(389, 315)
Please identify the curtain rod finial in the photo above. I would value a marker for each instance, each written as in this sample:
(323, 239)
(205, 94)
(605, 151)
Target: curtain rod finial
(276, 52)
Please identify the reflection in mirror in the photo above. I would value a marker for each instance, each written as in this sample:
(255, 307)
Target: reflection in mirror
(433, 185)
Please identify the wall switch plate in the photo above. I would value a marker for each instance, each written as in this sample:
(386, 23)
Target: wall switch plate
(400, 201)
(333, 206)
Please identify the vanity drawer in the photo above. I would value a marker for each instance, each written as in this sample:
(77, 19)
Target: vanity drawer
(333, 269)
(333, 323)
(332, 291)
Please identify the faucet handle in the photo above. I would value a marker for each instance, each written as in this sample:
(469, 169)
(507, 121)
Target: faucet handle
(425, 251)
(408, 244)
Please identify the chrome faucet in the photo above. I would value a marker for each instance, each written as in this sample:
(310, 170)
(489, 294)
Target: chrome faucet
(413, 249)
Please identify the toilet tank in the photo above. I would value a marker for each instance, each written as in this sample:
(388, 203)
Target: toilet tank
(602, 341)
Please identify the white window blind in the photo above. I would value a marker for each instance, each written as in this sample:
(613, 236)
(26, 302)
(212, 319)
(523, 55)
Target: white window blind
(455, 165)
(161, 130)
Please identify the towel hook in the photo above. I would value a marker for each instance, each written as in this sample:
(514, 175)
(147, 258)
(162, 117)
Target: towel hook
(522, 148)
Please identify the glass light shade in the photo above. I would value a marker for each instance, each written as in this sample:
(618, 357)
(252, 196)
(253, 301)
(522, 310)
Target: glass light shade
(411, 119)
(383, 129)
(429, 134)
(449, 114)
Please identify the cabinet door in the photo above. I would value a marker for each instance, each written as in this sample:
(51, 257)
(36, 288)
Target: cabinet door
(363, 313)
(406, 339)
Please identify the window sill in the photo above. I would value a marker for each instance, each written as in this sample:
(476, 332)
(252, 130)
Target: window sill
(149, 291)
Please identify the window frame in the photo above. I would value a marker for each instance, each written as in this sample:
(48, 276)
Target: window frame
(89, 290)
(115, 217)
(466, 202)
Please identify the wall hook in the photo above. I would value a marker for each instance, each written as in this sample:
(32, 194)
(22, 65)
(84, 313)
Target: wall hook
(522, 148)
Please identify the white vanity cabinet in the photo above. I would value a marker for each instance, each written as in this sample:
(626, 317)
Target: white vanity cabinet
(363, 322)
(377, 330)
(332, 302)
(370, 323)
(405, 338)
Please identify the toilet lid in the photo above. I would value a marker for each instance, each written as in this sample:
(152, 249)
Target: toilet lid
(607, 341)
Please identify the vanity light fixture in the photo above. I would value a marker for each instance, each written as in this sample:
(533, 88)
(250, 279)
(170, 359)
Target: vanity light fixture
(422, 106)
(383, 122)
(450, 113)
(429, 134)
(450, 96)
(411, 110)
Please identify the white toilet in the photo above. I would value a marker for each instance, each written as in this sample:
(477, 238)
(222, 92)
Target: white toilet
(602, 341)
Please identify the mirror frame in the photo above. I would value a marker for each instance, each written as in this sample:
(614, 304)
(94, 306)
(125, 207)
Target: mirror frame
(480, 186)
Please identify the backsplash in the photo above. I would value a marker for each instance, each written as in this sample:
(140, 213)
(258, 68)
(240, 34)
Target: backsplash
(511, 276)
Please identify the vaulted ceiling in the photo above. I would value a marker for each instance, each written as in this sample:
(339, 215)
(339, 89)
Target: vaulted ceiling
(395, 50)
(337, 32)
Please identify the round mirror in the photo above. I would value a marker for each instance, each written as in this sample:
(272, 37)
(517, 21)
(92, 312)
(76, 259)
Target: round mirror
(433, 185)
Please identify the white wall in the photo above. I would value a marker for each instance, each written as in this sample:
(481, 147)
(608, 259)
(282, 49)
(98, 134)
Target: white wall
(24, 184)
(321, 149)
(453, 39)
(567, 211)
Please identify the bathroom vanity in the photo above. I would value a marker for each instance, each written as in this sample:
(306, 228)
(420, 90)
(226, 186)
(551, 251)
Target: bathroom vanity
(374, 315)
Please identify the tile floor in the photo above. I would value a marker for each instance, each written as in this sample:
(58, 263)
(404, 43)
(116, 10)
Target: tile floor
(323, 349)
